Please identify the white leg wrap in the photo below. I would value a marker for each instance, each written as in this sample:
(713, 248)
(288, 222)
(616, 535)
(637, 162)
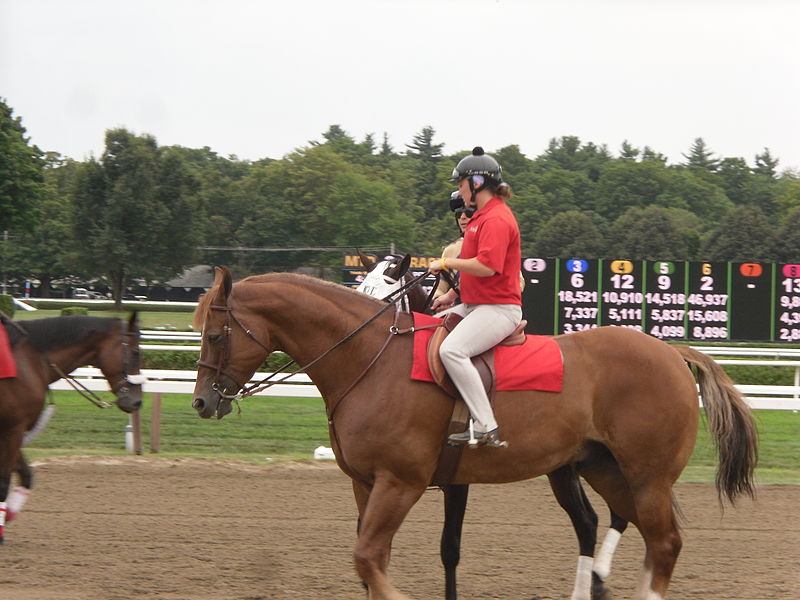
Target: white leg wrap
(644, 591)
(41, 423)
(15, 501)
(2, 518)
(583, 579)
(602, 561)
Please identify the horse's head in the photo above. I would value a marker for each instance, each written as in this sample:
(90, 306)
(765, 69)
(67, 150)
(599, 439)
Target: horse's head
(230, 352)
(118, 358)
(384, 276)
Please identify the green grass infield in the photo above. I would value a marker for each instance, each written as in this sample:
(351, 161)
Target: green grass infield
(279, 429)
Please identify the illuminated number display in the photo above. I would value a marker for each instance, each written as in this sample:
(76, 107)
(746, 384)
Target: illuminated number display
(787, 304)
(707, 316)
(538, 295)
(665, 300)
(577, 299)
(622, 295)
(751, 301)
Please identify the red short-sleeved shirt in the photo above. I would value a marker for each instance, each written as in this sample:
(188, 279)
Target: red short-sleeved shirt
(492, 235)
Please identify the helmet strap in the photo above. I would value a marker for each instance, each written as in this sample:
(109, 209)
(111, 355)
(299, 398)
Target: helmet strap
(473, 191)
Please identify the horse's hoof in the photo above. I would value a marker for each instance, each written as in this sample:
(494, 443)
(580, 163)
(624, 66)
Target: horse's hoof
(601, 592)
(599, 589)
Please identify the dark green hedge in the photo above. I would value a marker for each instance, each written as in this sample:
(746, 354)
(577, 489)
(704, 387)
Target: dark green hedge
(182, 360)
(126, 305)
(173, 359)
(753, 375)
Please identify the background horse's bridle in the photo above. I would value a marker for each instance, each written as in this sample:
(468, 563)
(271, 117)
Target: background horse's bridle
(130, 345)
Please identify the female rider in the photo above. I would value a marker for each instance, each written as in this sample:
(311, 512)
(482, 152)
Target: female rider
(490, 288)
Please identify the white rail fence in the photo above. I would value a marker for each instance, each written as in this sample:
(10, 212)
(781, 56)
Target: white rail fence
(171, 381)
(166, 381)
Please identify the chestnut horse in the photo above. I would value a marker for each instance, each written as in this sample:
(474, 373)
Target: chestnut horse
(384, 279)
(626, 419)
(44, 351)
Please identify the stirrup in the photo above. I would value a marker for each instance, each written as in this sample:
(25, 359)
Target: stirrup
(473, 439)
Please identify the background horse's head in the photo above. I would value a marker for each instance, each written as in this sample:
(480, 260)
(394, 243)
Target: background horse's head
(230, 352)
(384, 276)
(119, 360)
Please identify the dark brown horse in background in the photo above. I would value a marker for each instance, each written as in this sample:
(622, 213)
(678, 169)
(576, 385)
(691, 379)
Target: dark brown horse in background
(384, 279)
(626, 420)
(44, 351)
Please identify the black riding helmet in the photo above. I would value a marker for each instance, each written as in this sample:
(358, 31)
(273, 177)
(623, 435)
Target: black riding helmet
(481, 170)
(478, 163)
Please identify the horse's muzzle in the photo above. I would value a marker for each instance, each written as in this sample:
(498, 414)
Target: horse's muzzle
(207, 409)
(202, 407)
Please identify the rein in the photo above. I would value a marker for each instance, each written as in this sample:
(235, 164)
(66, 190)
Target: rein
(245, 391)
(80, 388)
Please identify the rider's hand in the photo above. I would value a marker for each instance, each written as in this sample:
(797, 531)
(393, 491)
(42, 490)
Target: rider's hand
(444, 301)
(435, 266)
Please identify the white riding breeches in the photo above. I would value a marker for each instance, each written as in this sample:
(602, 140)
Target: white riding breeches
(483, 327)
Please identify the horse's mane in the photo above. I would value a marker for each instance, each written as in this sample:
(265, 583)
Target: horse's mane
(205, 301)
(54, 332)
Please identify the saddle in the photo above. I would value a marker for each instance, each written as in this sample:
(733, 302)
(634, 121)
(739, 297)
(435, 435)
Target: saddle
(483, 362)
(450, 456)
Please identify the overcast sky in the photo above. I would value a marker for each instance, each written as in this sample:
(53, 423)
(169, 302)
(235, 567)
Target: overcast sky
(259, 78)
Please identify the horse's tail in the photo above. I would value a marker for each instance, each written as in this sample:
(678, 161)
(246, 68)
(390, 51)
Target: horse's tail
(731, 424)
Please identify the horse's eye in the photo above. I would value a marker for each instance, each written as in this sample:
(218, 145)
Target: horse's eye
(214, 338)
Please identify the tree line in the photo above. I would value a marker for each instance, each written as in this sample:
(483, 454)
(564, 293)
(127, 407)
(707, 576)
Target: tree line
(142, 211)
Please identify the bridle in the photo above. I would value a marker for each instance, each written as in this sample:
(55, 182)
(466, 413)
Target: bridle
(130, 363)
(224, 354)
(244, 391)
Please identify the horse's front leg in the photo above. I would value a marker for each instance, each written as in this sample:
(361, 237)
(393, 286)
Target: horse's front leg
(19, 495)
(361, 493)
(455, 505)
(10, 442)
(389, 502)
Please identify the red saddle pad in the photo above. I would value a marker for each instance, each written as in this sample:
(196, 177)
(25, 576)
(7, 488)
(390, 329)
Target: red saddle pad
(535, 365)
(7, 366)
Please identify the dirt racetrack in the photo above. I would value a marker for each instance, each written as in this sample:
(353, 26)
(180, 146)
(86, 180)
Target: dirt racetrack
(145, 528)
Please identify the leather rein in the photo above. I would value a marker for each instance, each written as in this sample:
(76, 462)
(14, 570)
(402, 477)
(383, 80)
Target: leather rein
(244, 390)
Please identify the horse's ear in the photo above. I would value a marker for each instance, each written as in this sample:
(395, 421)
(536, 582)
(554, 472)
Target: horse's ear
(365, 260)
(133, 321)
(223, 280)
(404, 264)
(399, 270)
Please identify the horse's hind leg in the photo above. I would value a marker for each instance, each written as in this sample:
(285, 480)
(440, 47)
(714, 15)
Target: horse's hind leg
(388, 504)
(604, 557)
(601, 471)
(657, 524)
(569, 493)
(455, 504)
(649, 506)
